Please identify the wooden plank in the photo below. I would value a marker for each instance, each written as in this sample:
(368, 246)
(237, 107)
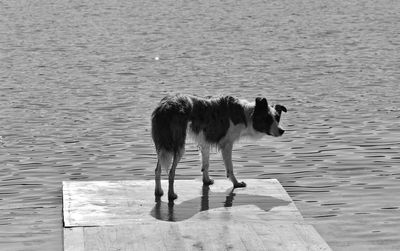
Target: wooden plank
(290, 236)
(206, 236)
(73, 239)
(98, 203)
(203, 236)
(137, 237)
(123, 215)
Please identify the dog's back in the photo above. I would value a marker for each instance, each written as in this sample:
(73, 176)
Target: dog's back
(210, 116)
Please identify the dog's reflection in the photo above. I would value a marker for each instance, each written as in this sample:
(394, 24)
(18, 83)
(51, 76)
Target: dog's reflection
(168, 211)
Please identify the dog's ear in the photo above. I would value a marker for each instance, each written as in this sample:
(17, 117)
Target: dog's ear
(280, 108)
(261, 103)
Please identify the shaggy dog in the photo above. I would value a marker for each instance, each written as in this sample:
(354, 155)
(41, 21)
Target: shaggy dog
(211, 121)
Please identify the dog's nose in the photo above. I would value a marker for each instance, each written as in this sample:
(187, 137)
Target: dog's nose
(281, 131)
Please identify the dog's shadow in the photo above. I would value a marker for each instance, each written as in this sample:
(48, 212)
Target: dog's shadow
(168, 211)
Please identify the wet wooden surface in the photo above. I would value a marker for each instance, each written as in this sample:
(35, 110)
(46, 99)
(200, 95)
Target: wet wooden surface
(124, 215)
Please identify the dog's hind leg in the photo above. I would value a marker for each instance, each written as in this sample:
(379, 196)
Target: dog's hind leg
(164, 162)
(205, 163)
(158, 190)
(171, 178)
(226, 150)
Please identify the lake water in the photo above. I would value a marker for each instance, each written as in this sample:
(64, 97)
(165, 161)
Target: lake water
(79, 80)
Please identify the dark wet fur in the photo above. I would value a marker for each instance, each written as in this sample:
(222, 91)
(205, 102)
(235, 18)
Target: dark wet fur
(212, 116)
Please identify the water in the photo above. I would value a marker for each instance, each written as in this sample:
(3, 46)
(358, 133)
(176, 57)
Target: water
(79, 80)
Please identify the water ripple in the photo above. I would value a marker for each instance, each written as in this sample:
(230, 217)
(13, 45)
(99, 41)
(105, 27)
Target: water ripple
(79, 80)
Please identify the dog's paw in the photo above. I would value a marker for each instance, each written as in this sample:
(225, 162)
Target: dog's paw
(239, 184)
(208, 182)
(172, 196)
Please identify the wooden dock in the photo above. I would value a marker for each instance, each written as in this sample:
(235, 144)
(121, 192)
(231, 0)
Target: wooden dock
(123, 215)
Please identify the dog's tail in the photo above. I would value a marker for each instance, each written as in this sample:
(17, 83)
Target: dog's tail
(168, 128)
(165, 159)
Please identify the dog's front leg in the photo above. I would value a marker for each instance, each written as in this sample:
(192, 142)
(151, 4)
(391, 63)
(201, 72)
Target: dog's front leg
(226, 150)
(205, 163)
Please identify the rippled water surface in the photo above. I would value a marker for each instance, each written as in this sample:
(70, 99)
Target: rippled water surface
(79, 79)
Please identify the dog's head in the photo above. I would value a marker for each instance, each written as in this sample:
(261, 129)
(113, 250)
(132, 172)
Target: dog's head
(266, 118)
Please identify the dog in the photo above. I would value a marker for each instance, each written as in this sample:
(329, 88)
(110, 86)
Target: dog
(210, 121)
